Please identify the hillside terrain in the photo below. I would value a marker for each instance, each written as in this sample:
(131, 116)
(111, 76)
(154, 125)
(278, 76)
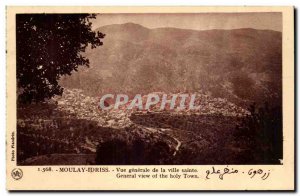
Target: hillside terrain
(72, 124)
(242, 65)
(228, 70)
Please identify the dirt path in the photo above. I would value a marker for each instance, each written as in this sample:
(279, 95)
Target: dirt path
(178, 146)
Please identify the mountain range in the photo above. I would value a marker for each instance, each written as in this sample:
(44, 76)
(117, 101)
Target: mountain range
(241, 65)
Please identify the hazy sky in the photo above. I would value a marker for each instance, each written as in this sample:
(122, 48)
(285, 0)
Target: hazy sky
(201, 21)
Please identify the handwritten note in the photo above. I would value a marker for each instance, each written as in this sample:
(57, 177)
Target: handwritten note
(225, 171)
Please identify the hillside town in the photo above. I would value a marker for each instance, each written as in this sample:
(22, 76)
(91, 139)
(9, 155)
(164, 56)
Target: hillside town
(74, 124)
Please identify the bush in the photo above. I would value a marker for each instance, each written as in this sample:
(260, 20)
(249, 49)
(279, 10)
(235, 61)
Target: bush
(261, 134)
(113, 152)
(139, 152)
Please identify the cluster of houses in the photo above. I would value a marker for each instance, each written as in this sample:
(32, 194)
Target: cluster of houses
(82, 106)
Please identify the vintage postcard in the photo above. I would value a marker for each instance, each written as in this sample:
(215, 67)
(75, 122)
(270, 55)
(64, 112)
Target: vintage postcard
(150, 98)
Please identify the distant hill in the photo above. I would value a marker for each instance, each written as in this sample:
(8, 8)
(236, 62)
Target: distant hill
(242, 65)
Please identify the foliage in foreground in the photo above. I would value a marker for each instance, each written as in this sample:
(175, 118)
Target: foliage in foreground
(49, 46)
(261, 133)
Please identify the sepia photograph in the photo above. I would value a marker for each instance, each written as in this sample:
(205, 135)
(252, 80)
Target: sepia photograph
(149, 89)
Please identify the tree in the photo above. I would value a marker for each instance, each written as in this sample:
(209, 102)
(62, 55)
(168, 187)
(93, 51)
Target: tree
(49, 46)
